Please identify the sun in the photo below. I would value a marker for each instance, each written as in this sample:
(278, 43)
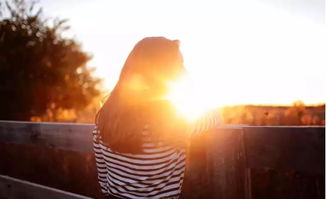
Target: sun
(190, 102)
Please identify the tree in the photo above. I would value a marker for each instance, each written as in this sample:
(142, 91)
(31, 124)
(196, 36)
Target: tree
(40, 71)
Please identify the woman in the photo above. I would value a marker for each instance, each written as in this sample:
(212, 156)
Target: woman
(139, 140)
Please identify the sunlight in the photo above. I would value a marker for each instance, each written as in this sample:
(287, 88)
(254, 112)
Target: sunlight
(248, 68)
(253, 53)
(190, 101)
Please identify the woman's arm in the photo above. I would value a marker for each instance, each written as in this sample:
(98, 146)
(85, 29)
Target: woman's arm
(205, 123)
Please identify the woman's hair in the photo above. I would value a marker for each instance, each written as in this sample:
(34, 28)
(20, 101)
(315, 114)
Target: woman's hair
(138, 101)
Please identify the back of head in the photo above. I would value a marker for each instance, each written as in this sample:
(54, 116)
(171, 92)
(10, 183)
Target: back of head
(137, 99)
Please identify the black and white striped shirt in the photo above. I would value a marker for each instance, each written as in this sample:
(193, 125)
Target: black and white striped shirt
(156, 173)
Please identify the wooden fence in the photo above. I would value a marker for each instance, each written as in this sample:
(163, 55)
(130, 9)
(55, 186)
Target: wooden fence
(228, 162)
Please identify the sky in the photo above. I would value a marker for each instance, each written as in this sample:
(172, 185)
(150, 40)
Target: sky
(236, 52)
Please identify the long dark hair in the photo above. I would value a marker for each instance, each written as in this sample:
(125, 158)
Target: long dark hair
(137, 99)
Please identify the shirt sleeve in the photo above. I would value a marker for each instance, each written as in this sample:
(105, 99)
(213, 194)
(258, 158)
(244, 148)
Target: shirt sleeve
(99, 160)
(205, 123)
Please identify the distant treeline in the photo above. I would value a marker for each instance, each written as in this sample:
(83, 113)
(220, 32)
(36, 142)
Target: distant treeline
(298, 114)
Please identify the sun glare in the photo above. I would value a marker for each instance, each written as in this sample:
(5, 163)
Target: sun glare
(190, 103)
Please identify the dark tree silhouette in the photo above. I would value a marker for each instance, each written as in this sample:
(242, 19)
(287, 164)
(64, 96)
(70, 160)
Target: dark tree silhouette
(39, 69)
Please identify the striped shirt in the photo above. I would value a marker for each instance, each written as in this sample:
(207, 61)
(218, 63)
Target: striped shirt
(156, 173)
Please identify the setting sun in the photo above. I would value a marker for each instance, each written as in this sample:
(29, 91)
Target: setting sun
(190, 101)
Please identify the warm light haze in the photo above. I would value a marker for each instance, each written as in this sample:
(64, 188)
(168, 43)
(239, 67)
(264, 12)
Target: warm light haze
(236, 52)
(190, 100)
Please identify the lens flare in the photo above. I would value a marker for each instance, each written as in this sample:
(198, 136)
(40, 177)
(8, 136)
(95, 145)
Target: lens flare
(190, 102)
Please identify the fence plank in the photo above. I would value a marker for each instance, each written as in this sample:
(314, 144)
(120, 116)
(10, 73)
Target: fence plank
(285, 148)
(66, 136)
(11, 188)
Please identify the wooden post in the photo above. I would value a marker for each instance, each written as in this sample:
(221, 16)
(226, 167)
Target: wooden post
(247, 184)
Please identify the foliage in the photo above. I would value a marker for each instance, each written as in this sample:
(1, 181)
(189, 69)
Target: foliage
(297, 114)
(40, 71)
